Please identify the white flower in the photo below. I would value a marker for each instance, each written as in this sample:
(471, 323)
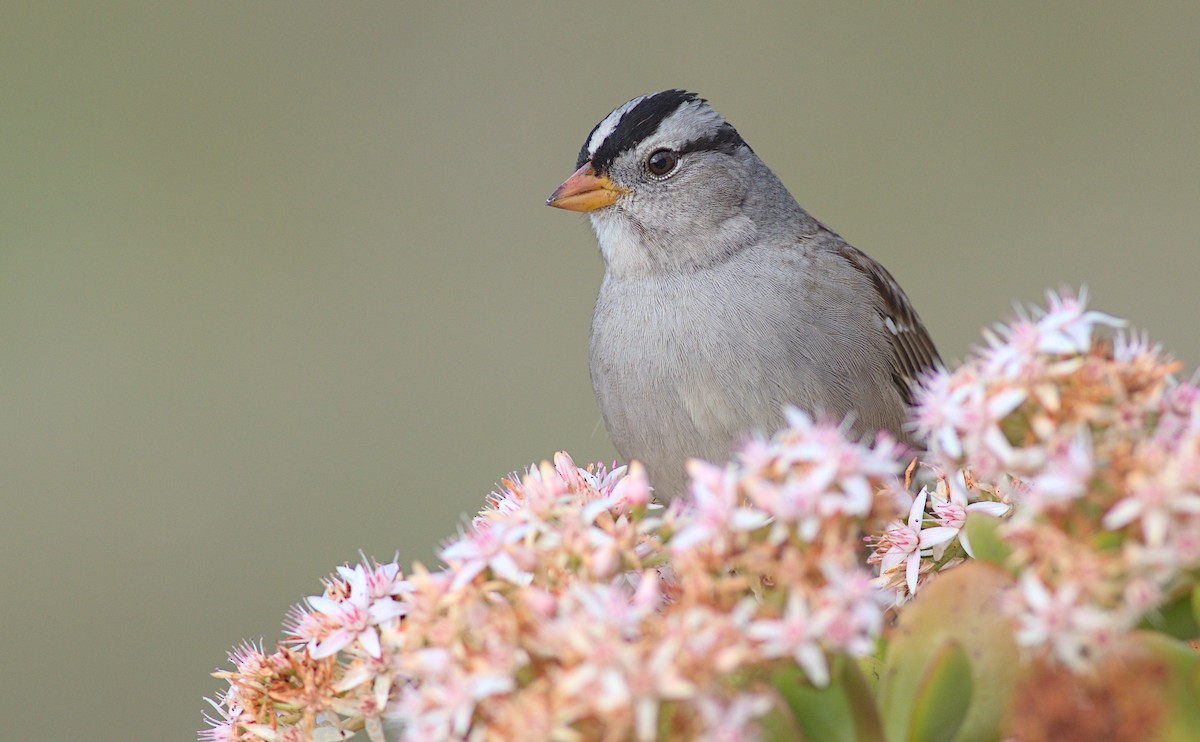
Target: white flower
(633, 489)
(443, 707)
(908, 540)
(714, 507)
(1066, 327)
(1068, 470)
(357, 616)
(1154, 502)
(600, 626)
(796, 502)
(489, 545)
(223, 727)
(1075, 631)
(796, 634)
(946, 405)
(1012, 352)
(951, 511)
(857, 604)
(732, 721)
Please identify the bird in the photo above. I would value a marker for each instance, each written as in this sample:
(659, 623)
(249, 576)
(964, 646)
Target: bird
(724, 302)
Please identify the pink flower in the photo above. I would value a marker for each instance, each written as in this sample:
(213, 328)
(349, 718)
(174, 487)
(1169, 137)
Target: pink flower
(623, 493)
(803, 477)
(1075, 631)
(443, 707)
(797, 635)
(827, 446)
(1156, 503)
(951, 511)
(797, 502)
(1012, 352)
(633, 489)
(357, 616)
(222, 727)
(732, 721)
(489, 545)
(714, 506)
(856, 604)
(949, 406)
(908, 540)
(657, 679)
(1067, 326)
(600, 629)
(1068, 471)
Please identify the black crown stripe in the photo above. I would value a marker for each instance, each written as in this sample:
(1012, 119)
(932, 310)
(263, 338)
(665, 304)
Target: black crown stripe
(643, 120)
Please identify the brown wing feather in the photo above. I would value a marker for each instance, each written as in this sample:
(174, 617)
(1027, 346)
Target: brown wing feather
(913, 350)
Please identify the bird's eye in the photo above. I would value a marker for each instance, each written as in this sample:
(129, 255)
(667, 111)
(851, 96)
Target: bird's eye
(661, 162)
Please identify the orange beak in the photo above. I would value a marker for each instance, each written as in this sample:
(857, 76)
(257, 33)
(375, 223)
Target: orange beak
(585, 191)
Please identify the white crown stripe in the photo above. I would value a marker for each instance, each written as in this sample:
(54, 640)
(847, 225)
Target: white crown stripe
(606, 127)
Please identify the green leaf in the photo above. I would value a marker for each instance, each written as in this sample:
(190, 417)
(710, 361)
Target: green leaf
(1108, 540)
(1177, 618)
(821, 713)
(944, 696)
(871, 665)
(961, 606)
(983, 531)
(777, 726)
(844, 711)
(868, 726)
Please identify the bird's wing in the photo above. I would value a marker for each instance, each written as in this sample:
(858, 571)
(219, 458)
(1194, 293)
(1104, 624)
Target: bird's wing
(913, 352)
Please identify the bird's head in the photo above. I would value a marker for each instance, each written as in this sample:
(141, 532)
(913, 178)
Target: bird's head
(665, 180)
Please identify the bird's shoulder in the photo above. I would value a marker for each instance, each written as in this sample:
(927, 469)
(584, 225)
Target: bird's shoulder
(912, 349)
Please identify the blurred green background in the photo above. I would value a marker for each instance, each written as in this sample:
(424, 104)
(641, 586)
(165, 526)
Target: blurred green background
(277, 282)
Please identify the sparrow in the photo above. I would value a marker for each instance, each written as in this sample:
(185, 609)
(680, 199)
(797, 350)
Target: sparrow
(723, 301)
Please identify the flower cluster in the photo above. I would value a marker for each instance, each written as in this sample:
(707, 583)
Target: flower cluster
(909, 553)
(574, 607)
(1098, 447)
(298, 692)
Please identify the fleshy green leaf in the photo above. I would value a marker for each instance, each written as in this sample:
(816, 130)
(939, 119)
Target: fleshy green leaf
(871, 665)
(1177, 618)
(868, 726)
(778, 725)
(961, 606)
(983, 532)
(844, 711)
(821, 713)
(943, 697)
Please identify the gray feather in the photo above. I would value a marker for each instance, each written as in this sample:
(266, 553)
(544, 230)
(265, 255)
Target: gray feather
(723, 301)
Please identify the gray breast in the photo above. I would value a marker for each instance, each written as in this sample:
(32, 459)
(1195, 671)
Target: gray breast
(689, 364)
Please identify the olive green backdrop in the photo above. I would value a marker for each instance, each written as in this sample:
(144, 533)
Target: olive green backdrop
(277, 282)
